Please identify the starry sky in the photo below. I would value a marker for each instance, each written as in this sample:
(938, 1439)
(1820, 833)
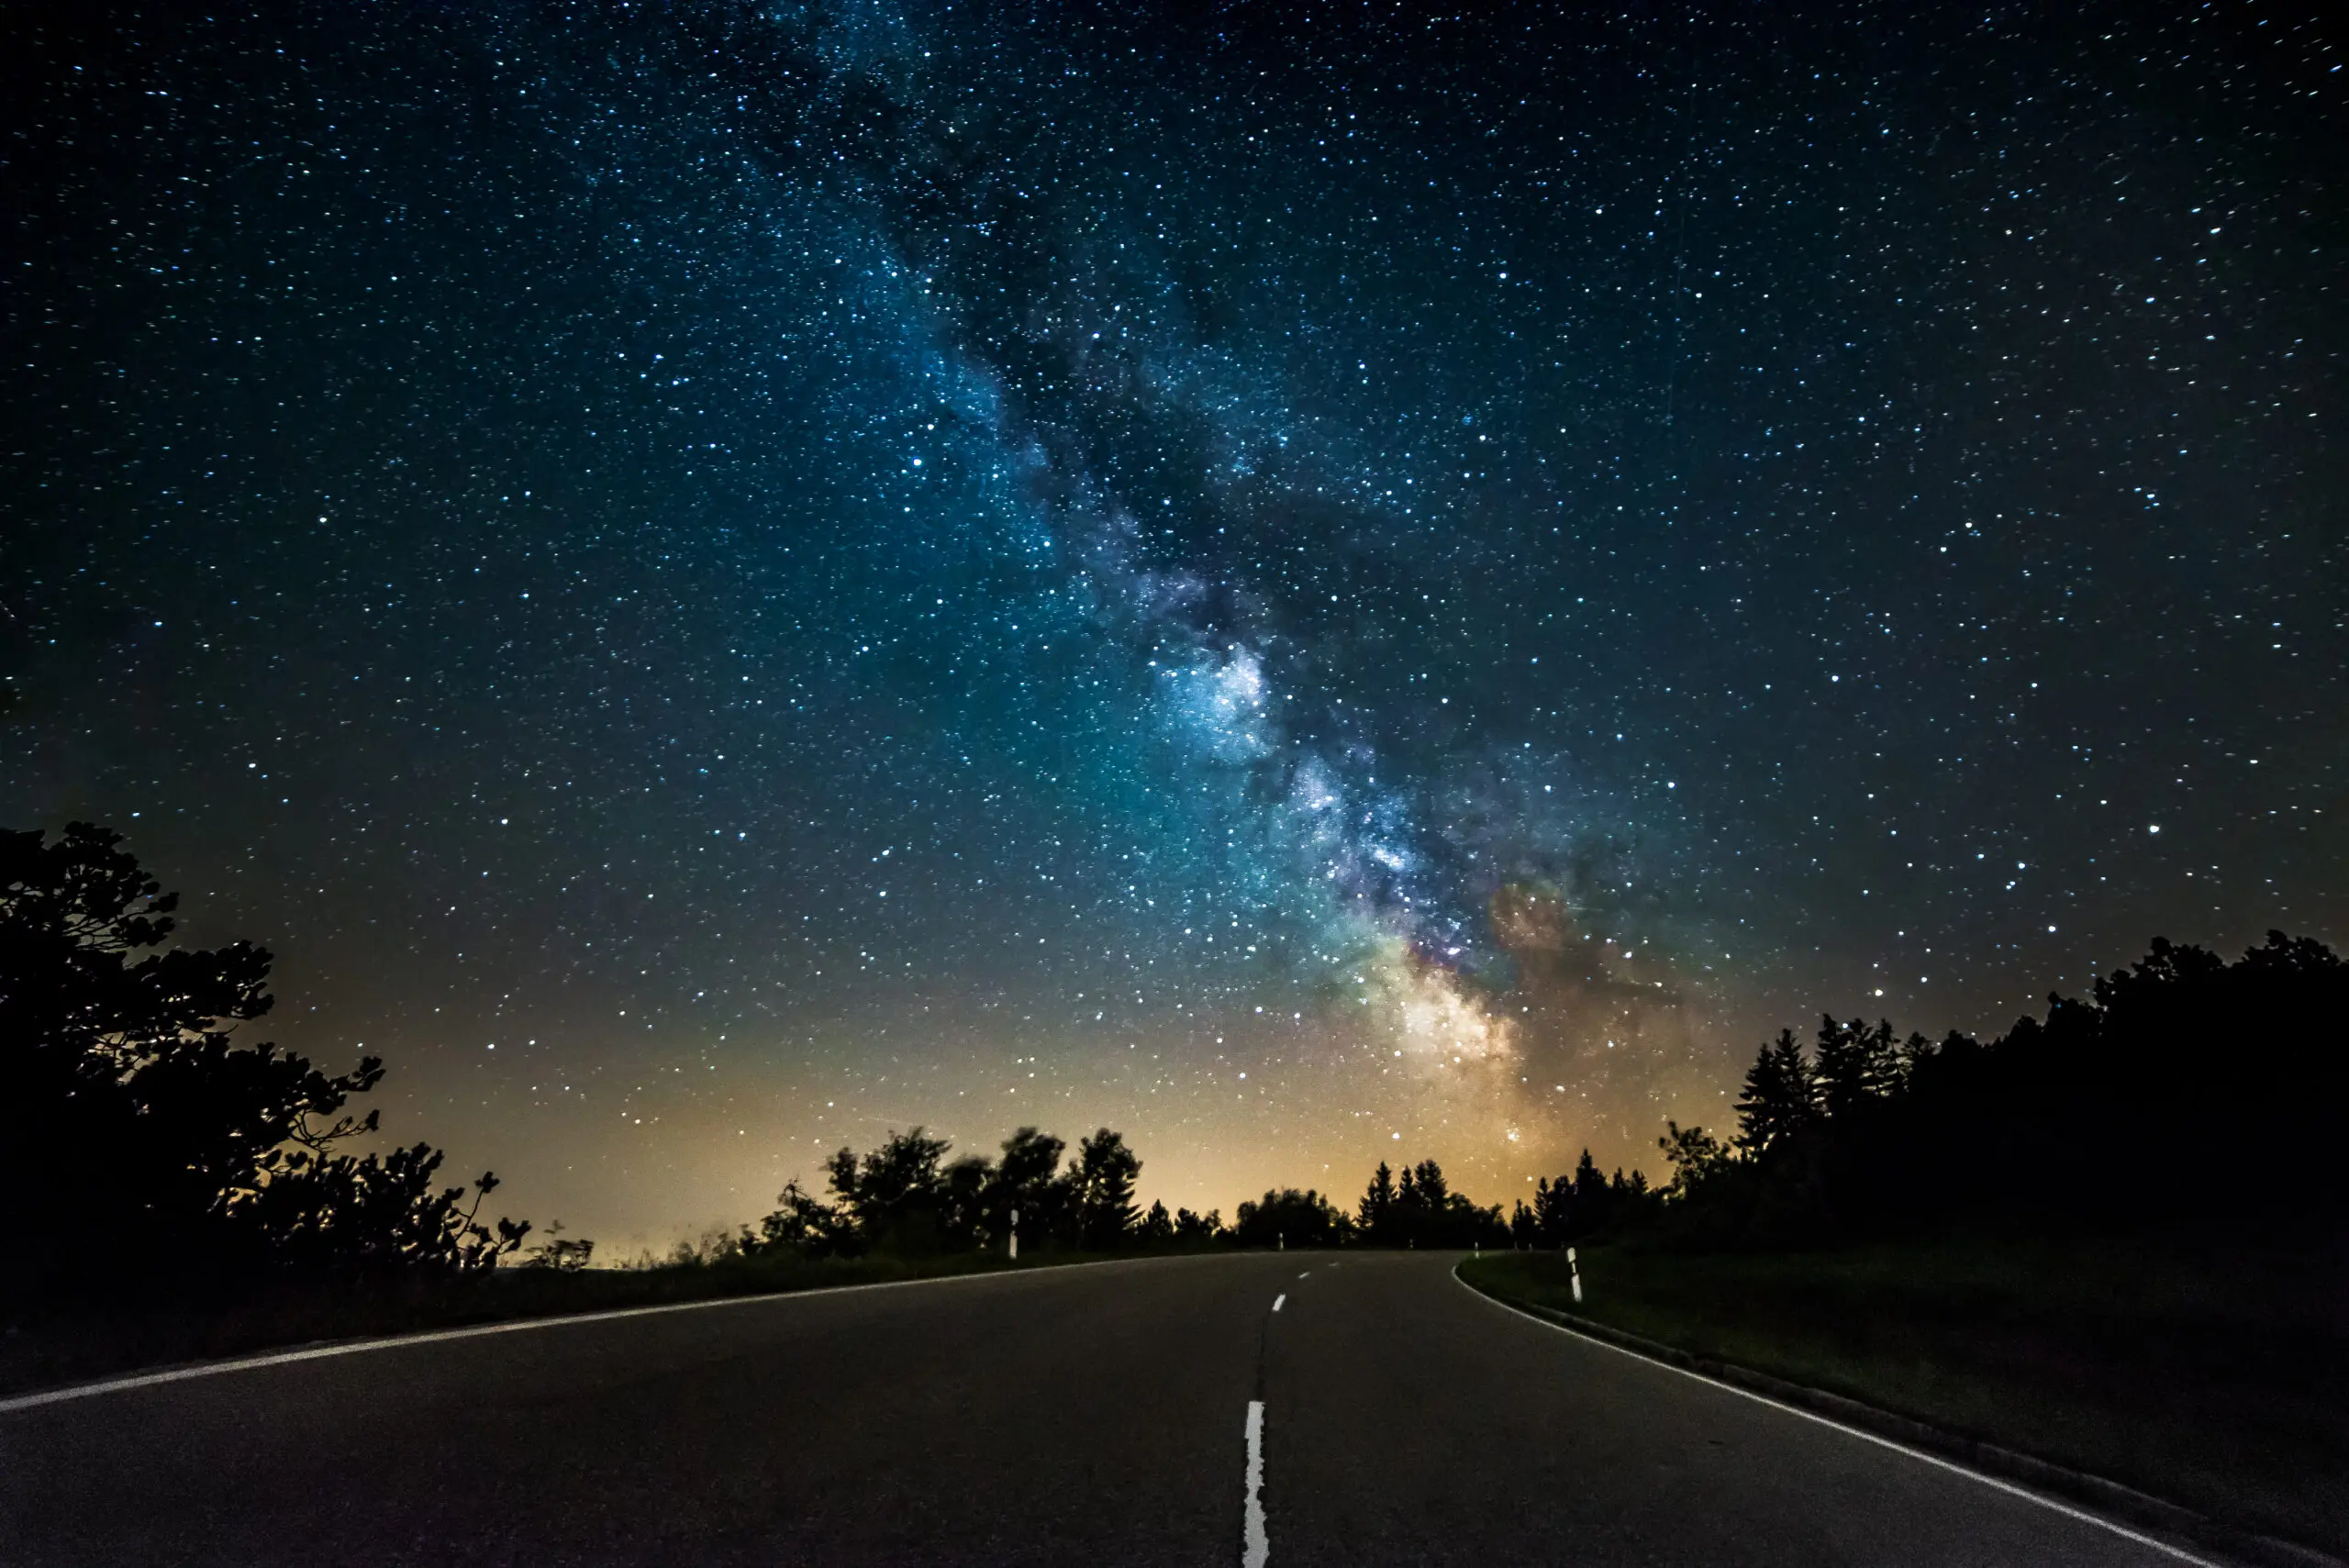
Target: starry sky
(1310, 582)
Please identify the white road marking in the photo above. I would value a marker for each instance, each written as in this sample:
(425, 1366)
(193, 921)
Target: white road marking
(1278, 1299)
(511, 1326)
(1254, 1548)
(2165, 1548)
(1306, 1272)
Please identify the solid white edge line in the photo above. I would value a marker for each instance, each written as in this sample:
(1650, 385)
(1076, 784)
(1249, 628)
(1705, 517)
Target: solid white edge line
(2066, 1509)
(509, 1326)
(1255, 1545)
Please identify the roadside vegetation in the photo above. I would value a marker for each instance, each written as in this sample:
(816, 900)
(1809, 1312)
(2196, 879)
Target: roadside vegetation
(2208, 1377)
(173, 1190)
(2115, 1237)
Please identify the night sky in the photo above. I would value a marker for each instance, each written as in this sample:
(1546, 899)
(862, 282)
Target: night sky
(1312, 583)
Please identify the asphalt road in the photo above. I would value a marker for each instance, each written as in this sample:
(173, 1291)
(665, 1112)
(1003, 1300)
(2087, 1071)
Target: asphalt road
(1094, 1414)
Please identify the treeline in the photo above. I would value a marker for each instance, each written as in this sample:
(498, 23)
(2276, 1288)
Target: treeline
(907, 1198)
(140, 1146)
(2187, 1092)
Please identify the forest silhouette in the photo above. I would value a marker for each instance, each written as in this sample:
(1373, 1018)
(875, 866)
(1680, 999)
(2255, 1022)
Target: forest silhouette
(2186, 1094)
(144, 1147)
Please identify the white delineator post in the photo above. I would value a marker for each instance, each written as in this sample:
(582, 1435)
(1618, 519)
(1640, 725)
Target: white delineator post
(1575, 1269)
(1014, 1245)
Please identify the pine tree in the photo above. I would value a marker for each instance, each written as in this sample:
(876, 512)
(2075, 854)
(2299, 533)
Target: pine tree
(1857, 1064)
(1554, 1210)
(1589, 1185)
(1434, 1192)
(1781, 1097)
(1376, 1212)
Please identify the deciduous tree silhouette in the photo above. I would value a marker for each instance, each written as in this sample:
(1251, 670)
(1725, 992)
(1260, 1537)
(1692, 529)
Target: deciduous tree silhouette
(885, 1191)
(804, 1223)
(1103, 1183)
(1286, 1217)
(1027, 1178)
(1695, 1155)
(906, 1196)
(138, 1141)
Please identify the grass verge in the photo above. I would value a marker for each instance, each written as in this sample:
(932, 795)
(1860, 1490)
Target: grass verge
(2220, 1381)
(130, 1336)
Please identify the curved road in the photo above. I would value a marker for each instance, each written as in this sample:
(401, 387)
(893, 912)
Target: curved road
(1088, 1414)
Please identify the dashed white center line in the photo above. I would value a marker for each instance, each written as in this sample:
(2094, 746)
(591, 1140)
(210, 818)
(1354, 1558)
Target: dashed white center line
(1278, 1299)
(1254, 1548)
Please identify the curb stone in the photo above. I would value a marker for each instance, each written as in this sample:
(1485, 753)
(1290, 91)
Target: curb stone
(2122, 1502)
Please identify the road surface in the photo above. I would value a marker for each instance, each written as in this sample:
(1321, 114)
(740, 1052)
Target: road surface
(1092, 1415)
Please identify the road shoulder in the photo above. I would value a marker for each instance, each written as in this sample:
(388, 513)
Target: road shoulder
(2110, 1499)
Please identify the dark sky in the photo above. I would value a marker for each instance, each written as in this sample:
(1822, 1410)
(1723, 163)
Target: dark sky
(1308, 582)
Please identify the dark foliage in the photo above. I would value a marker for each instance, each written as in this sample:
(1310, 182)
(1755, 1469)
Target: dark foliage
(907, 1199)
(139, 1144)
(2089, 1119)
(1419, 1209)
(1288, 1217)
(1101, 1189)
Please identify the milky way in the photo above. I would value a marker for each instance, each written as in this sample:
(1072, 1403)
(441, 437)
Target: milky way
(1307, 583)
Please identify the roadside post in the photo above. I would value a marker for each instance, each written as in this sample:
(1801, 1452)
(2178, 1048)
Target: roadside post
(1574, 1270)
(1015, 1243)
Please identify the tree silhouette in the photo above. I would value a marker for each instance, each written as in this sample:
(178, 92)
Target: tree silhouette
(1695, 1155)
(804, 1223)
(896, 1195)
(2067, 1123)
(1553, 1208)
(1103, 1183)
(1374, 1214)
(907, 1197)
(138, 1140)
(1027, 1179)
(1435, 1193)
(1856, 1064)
(1289, 1218)
(1780, 1099)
